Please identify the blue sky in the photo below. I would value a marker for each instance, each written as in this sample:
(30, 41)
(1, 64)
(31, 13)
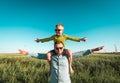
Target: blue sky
(22, 21)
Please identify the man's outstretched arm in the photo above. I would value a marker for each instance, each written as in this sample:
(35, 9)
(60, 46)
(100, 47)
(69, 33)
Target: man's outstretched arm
(35, 55)
(87, 52)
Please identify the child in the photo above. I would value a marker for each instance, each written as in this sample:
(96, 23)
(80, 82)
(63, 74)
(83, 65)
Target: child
(59, 36)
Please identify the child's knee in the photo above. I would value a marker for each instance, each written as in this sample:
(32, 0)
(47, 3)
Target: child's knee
(68, 52)
(48, 55)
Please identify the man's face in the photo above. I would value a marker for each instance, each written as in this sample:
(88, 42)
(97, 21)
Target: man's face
(59, 48)
(59, 30)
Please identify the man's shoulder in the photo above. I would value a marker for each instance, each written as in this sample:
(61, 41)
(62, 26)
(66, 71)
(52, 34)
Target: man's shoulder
(63, 53)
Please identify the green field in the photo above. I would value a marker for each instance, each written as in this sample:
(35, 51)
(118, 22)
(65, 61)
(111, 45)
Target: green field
(95, 68)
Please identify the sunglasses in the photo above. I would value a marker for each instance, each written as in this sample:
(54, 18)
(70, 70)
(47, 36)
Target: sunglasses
(59, 48)
(58, 29)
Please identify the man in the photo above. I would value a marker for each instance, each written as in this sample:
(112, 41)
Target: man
(59, 62)
(59, 65)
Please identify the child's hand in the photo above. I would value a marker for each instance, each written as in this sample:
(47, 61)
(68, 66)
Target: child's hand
(84, 39)
(37, 40)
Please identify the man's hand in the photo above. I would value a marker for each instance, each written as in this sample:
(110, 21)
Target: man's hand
(37, 40)
(84, 39)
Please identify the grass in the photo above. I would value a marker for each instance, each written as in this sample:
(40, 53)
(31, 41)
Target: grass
(95, 68)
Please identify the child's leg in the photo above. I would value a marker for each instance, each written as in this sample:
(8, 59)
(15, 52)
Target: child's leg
(69, 53)
(48, 56)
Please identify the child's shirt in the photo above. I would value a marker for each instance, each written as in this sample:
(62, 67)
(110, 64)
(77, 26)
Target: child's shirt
(61, 38)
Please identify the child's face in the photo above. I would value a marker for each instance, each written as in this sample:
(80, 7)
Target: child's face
(59, 30)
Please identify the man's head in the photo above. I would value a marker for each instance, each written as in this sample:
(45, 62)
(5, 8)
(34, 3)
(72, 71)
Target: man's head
(59, 29)
(58, 47)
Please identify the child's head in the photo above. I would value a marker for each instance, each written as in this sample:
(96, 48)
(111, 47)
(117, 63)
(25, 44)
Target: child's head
(59, 29)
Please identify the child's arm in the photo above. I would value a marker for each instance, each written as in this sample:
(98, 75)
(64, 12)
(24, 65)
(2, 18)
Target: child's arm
(75, 39)
(44, 39)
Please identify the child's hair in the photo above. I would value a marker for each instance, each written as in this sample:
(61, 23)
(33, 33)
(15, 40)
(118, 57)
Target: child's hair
(59, 25)
(58, 42)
